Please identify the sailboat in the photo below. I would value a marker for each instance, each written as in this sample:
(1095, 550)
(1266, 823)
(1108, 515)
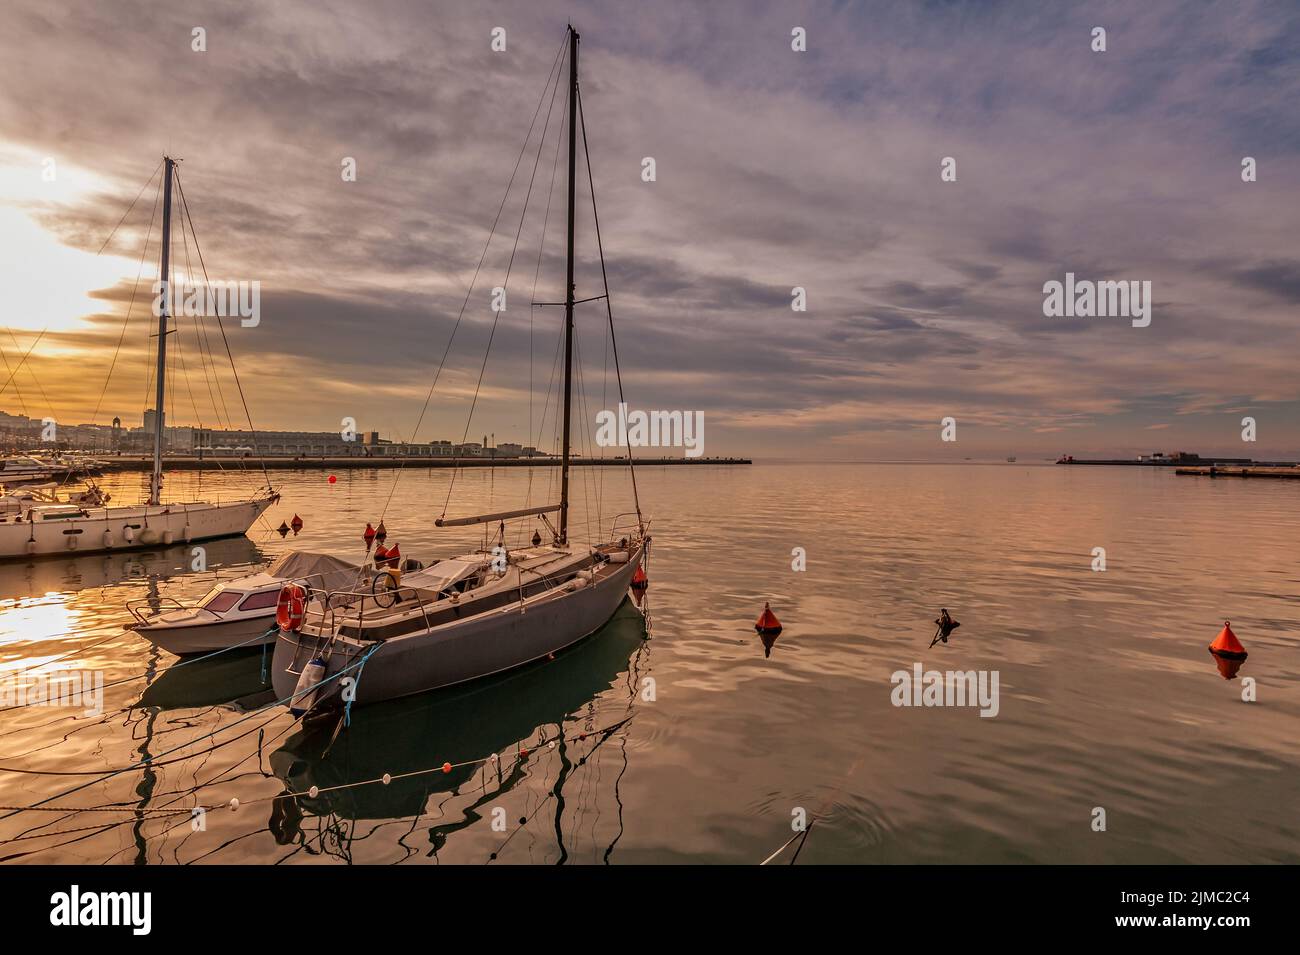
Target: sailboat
(481, 613)
(41, 527)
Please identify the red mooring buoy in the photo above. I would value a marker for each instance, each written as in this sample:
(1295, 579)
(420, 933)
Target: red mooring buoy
(369, 535)
(1227, 645)
(296, 523)
(767, 622)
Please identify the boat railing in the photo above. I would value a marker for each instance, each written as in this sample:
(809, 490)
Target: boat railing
(633, 528)
(348, 600)
(157, 605)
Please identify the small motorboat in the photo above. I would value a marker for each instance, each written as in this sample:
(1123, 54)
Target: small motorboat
(238, 611)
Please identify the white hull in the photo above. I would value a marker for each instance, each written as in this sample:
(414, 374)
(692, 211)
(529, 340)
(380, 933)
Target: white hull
(213, 636)
(103, 529)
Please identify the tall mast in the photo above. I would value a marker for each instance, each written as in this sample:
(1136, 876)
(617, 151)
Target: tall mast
(155, 482)
(568, 294)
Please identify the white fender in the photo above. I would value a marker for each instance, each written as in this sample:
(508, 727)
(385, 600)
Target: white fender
(128, 534)
(108, 537)
(304, 694)
(168, 537)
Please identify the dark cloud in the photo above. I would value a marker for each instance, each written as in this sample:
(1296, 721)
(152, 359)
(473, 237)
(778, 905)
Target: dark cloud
(775, 170)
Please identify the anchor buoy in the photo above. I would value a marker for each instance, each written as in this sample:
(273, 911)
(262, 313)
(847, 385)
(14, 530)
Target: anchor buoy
(1227, 645)
(767, 623)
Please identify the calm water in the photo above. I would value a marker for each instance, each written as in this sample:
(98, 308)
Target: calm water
(1108, 696)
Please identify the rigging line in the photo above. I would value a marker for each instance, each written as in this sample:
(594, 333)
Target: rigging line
(22, 405)
(135, 289)
(130, 207)
(35, 377)
(482, 257)
(523, 215)
(541, 248)
(189, 275)
(185, 206)
(24, 359)
(609, 308)
(206, 355)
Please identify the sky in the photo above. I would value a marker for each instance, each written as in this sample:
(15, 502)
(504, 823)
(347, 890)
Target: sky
(774, 169)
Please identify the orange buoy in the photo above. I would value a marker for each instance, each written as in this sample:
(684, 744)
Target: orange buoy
(767, 622)
(381, 555)
(369, 535)
(446, 767)
(296, 523)
(381, 532)
(1227, 645)
(332, 479)
(639, 579)
(394, 556)
(1227, 668)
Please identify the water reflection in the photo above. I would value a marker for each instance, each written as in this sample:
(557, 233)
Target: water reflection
(235, 677)
(69, 574)
(1228, 666)
(450, 726)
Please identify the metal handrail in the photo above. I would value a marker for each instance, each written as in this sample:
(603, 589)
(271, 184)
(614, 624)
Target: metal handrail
(638, 524)
(133, 605)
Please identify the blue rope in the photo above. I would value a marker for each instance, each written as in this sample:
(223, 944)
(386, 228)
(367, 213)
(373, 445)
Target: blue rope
(347, 708)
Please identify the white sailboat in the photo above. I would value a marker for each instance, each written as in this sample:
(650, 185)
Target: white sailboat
(481, 613)
(41, 527)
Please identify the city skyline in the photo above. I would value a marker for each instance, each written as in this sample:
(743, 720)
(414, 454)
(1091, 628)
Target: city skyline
(775, 170)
